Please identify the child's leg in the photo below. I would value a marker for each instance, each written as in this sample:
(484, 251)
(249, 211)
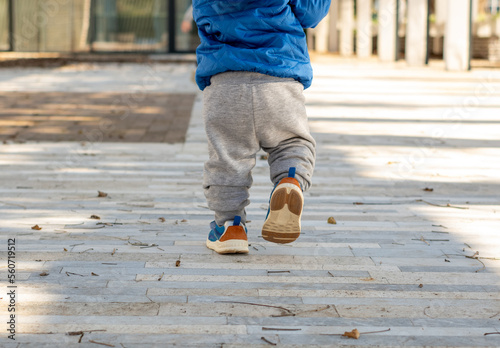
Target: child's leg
(282, 128)
(228, 115)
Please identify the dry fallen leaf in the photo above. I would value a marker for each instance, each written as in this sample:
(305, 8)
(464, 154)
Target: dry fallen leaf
(95, 217)
(428, 189)
(36, 227)
(43, 274)
(177, 263)
(101, 194)
(331, 220)
(92, 273)
(264, 157)
(352, 334)
(162, 219)
(420, 285)
(65, 249)
(141, 244)
(183, 220)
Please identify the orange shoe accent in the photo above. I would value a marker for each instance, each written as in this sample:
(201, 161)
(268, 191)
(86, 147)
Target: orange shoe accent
(289, 181)
(234, 232)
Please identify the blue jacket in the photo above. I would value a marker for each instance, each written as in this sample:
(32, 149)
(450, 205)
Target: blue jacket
(264, 36)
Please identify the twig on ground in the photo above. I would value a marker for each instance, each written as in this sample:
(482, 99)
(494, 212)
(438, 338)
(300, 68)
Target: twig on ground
(425, 313)
(433, 240)
(80, 333)
(476, 257)
(74, 245)
(482, 263)
(68, 273)
(423, 240)
(373, 332)
(314, 310)
(76, 333)
(278, 271)
(267, 341)
(81, 252)
(448, 205)
(101, 343)
(259, 304)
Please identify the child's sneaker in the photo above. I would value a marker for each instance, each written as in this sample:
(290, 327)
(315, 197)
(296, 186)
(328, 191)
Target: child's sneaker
(228, 239)
(282, 223)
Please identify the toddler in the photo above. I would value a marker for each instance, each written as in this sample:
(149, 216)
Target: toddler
(253, 66)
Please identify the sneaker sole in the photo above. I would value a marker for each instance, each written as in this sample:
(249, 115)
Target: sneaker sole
(229, 246)
(283, 223)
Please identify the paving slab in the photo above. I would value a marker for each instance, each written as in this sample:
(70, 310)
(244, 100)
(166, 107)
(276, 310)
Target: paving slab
(407, 164)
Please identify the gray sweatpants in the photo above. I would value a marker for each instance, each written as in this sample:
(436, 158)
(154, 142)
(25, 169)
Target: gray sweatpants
(244, 112)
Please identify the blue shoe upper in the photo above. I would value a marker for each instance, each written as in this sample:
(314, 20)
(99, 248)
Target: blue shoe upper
(217, 231)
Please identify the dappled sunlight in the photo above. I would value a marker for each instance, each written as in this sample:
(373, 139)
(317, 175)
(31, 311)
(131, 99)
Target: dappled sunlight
(420, 165)
(78, 170)
(48, 220)
(436, 133)
(423, 147)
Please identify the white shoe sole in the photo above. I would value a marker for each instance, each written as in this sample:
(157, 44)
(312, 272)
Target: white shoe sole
(236, 246)
(283, 222)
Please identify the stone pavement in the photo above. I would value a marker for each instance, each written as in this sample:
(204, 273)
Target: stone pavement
(100, 117)
(407, 165)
